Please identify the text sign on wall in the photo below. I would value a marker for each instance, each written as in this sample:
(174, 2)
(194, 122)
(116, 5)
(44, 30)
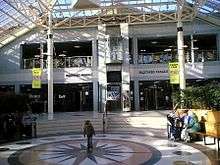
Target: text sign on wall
(174, 73)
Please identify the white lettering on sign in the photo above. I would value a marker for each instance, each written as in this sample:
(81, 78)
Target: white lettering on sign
(77, 75)
(152, 71)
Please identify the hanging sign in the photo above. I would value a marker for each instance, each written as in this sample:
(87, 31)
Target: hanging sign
(36, 84)
(174, 73)
(36, 74)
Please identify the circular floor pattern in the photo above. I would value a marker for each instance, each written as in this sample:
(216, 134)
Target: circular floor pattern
(75, 152)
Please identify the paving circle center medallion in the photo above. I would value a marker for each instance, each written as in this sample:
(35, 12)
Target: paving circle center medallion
(74, 152)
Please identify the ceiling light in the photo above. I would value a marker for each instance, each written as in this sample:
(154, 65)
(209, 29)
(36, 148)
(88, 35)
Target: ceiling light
(62, 55)
(154, 42)
(195, 48)
(37, 56)
(167, 50)
(77, 46)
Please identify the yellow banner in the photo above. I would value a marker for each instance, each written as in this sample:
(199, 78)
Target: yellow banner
(36, 72)
(36, 84)
(174, 73)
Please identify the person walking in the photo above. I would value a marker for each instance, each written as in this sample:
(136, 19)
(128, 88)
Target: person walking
(88, 130)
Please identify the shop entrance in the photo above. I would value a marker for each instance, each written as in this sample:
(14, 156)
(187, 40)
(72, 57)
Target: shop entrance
(73, 97)
(149, 98)
(155, 95)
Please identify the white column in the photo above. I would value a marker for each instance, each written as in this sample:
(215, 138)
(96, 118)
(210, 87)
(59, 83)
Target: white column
(181, 58)
(135, 50)
(95, 77)
(218, 46)
(103, 48)
(136, 96)
(17, 88)
(50, 66)
(126, 101)
(192, 50)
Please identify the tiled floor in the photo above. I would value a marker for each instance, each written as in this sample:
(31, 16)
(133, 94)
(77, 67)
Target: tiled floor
(146, 144)
(108, 149)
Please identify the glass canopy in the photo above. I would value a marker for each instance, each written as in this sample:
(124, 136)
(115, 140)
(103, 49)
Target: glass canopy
(20, 16)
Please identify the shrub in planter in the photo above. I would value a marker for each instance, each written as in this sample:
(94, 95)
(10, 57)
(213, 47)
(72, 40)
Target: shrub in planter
(202, 97)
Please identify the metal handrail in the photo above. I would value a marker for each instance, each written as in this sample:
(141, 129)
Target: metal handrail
(64, 62)
(165, 57)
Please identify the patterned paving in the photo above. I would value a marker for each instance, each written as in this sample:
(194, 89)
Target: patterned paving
(112, 149)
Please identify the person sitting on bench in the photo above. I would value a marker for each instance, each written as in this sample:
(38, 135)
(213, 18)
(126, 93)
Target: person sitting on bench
(191, 125)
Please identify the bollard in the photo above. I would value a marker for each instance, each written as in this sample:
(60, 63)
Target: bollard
(103, 123)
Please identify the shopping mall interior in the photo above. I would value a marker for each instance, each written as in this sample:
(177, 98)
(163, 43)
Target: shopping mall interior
(124, 65)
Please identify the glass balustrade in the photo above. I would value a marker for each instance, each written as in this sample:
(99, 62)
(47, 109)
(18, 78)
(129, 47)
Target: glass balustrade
(165, 57)
(65, 62)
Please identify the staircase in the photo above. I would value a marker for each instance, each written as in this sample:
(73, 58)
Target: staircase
(68, 122)
(121, 122)
(138, 123)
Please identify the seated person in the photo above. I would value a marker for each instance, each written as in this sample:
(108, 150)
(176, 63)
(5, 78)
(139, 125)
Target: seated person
(191, 125)
(174, 126)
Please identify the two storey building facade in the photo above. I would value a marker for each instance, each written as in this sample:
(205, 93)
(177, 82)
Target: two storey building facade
(118, 67)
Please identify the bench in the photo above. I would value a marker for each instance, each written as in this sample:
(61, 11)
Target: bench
(206, 134)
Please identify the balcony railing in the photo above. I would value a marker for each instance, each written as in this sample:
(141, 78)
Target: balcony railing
(165, 57)
(64, 62)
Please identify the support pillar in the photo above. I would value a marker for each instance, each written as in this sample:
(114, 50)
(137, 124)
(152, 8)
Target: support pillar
(136, 96)
(126, 101)
(17, 88)
(50, 66)
(103, 53)
(95, 78)
(218, 46)
(192, 50)
(181, 57)
(135, 50)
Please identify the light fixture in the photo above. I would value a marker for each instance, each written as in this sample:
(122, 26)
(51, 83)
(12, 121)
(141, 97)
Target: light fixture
(172, 46)
(167, 50)
(62, 55)
(37, 56)
(195, 48)
(77, 46)
(154, 42)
